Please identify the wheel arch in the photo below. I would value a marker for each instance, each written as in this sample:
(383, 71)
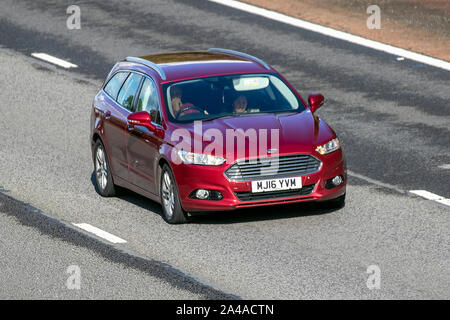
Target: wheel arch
(97, 137)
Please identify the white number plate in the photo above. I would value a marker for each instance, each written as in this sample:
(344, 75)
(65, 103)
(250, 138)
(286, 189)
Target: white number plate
(276, 184)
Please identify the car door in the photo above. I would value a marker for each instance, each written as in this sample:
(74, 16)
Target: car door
(125, 101)
(114, 124)
(143, 145)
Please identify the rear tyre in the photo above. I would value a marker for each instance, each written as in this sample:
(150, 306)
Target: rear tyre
(173, 213)
(102, 171)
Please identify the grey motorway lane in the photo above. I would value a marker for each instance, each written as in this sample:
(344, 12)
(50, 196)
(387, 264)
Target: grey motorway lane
(393, 117)
(293, 252)
(38, 257)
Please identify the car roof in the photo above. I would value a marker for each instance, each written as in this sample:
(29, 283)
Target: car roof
(177, 66)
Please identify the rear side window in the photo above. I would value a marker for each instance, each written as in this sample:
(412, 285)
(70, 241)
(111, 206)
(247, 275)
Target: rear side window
(148, 100)
(128, 91)
(113, 86)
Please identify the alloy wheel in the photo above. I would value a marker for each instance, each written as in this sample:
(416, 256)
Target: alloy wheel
(168, 195)
(101, 168)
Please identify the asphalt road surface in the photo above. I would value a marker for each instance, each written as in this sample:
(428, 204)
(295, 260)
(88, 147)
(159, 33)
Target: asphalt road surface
(392, 116)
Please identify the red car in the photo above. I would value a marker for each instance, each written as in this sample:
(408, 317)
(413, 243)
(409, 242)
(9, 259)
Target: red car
(212, 130)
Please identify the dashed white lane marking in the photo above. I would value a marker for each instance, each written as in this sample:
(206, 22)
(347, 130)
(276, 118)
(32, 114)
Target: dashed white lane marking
(376, 182)
(99, 232)
(54, 60)
(445, 166)
(336, 34)
(444, 201)
(427, 195)
(422, 193)
(400, 59)
(431, 196)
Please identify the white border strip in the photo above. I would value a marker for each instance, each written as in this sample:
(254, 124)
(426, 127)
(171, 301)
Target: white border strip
(99, 232)
(335, 33)
(54, 60)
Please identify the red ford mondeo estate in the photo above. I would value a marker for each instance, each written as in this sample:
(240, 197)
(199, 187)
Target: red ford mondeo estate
(212, 130)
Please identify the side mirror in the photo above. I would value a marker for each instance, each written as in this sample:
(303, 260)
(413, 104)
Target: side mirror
(315, 100)
(141, 118)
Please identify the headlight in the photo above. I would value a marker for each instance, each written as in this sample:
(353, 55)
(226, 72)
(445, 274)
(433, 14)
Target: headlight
(328, 147)
(201, 159)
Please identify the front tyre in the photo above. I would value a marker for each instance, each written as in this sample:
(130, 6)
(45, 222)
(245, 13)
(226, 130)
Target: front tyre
(173, 213)
(102, 171)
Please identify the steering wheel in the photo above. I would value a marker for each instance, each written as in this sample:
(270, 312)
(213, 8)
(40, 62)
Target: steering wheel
(189, 108)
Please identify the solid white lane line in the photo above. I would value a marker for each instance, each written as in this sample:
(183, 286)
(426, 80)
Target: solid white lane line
(335, 33)
(54, 60)
(99, 232)
(427, 195)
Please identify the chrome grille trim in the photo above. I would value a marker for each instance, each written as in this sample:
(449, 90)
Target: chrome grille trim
(272, 167)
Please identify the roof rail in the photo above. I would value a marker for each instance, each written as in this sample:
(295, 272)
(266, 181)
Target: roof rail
(239, 54)
(148, 63)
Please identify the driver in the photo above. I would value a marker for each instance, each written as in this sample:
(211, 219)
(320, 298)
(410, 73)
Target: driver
(240, 104)
(178, 107)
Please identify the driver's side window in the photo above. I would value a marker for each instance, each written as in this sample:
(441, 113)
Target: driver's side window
(148, 100)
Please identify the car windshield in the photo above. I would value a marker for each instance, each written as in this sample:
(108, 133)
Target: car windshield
(230, 95)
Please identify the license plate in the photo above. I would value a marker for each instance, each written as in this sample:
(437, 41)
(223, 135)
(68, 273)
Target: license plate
(276, 184)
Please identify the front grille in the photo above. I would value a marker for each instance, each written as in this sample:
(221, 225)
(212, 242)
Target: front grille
(248, 196)
(268, 167)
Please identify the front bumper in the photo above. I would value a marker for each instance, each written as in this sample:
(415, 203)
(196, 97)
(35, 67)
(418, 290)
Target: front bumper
(237, 194)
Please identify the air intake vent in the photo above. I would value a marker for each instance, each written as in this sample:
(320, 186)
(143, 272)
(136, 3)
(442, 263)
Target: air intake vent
(273, 167)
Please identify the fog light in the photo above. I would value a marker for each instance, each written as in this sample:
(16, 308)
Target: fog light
(337, 180)
(202, 194)
(334, 182)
